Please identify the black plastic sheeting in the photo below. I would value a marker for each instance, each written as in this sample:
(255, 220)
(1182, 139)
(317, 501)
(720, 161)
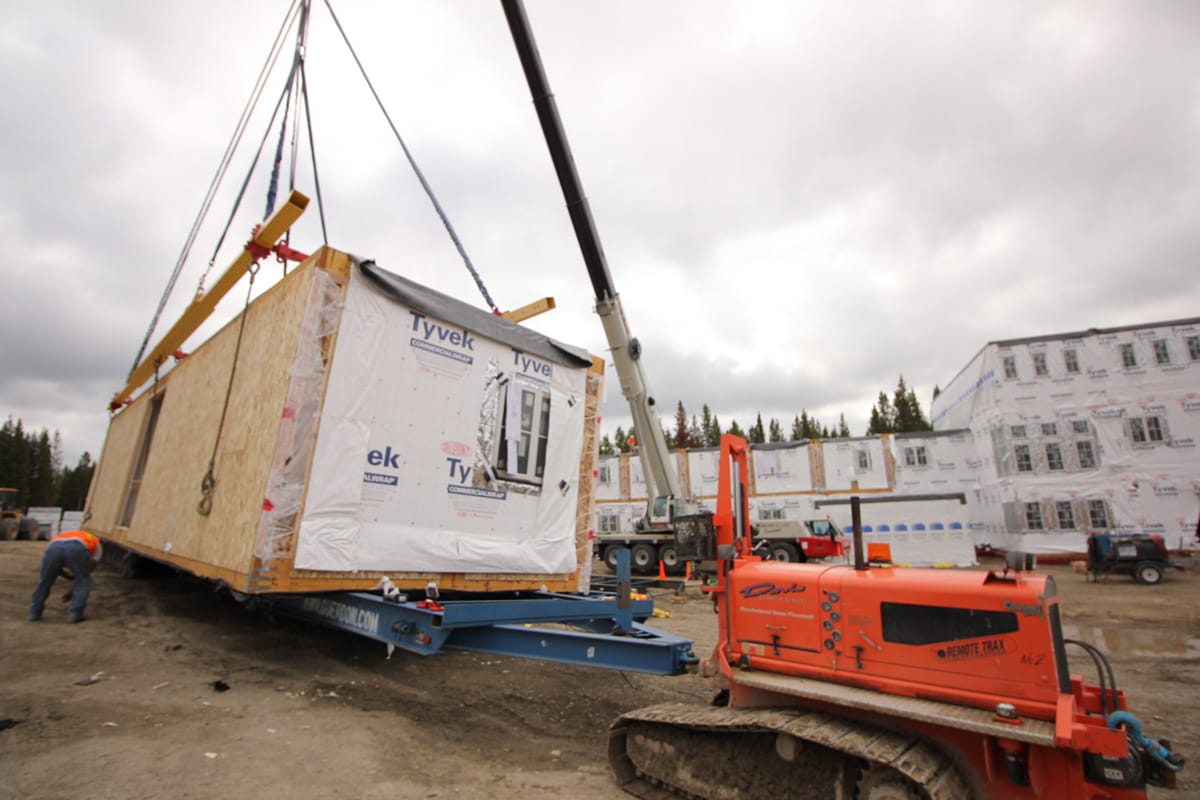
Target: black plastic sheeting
(447, 309)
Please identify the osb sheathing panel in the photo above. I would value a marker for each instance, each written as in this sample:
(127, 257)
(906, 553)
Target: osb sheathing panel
(166, 520)
(110, 484)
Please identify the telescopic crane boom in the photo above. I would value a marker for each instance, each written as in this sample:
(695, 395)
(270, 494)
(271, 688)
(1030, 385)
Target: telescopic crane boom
(662, 486)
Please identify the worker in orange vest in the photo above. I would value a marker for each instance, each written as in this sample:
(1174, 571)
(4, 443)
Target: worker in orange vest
(73, 555)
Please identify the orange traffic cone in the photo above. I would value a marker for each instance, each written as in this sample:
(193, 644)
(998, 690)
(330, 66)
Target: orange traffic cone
(688, 571)
(662, 570)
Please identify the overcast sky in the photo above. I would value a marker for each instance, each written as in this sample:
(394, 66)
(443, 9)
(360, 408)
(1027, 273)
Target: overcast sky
(799, 201)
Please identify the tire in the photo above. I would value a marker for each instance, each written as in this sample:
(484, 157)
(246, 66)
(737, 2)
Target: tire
(8, 529)
(609, 556)
(643, 559)
(669, 556)
(29, 529)
(884, 783)
(786, 552)
(1149, 573)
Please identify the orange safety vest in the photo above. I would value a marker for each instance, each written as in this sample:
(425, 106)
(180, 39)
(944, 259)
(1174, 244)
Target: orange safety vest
(88, 539)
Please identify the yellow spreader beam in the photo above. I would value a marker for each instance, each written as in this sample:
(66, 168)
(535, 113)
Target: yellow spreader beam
(193, 317)
(529, 310)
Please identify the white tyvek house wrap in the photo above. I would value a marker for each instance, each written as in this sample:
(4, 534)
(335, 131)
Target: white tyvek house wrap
(1078, 396)
(398, 480)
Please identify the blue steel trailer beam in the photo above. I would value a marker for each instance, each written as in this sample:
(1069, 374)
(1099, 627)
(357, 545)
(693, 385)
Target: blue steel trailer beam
(504, 627)
(650, 650)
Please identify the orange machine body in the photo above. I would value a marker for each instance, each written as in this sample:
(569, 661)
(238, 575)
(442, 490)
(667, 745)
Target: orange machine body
(981, 653)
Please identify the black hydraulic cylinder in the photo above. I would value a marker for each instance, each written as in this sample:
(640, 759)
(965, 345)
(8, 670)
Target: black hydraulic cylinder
(860, 557)
(560, 150)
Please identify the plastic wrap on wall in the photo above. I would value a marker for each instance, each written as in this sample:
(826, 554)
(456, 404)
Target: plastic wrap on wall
(441, 449)
(285, 486)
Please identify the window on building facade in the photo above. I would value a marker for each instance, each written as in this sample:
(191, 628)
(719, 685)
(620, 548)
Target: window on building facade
(1087, 455)
(1128, 356)
(915, 457)
(770, 513)
(1010, 367)
(1097, 514)
(1049, 429)
(1066, 515)
(863, 459)
(1147, 429)
(1024, 460)
(1193, 343)
(605, 475)
(1017, 431)
(1080, 426)
(610, 523)
(1054, 457)
(1033, 516)
(1039, 365)
(1162, 354)
(1071, 362)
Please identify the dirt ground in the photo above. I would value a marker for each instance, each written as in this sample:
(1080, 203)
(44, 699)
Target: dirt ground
(123, 705)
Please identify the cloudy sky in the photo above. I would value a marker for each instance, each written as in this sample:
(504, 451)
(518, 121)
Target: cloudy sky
(798, 200)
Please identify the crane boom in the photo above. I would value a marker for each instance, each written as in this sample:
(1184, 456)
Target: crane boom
(661, 483)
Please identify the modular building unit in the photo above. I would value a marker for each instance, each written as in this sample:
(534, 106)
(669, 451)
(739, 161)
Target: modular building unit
(355, 424)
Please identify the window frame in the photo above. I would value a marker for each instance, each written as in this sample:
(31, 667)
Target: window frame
(1022, 455)
(1066, 521)
(1054, 456)
(1090, 461)
(534, 436)
(1128, 355)
(1162, 352)
(1033, 516)
(1071, 361)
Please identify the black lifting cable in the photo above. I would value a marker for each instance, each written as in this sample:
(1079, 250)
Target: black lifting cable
(226, 159)
(416, 170)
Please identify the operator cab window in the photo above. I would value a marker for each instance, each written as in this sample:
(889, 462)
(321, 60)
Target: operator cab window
(905, 623)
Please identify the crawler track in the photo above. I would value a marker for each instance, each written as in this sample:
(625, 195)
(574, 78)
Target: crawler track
(679, 750)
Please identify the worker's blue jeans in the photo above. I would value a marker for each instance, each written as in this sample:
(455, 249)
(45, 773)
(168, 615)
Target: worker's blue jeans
(72, 554)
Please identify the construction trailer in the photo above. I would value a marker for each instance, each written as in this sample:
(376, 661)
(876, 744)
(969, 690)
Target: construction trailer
(352, 424)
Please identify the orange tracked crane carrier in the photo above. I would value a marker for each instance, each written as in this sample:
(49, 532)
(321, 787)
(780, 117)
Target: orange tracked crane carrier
(859, 683)
(862, 683)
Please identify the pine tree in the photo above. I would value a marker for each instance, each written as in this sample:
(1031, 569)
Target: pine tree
(606, 446)
(774, 431)
(883, 417)
(681, 438)
(843, 431)
(908, 415)
(797, 429)
(713, 437)
(736, 430)
(73, 488)
(757, 435)
(43, 490)
(695, 433)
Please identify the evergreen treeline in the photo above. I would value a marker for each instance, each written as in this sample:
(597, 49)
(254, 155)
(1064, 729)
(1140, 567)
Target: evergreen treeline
(900, 413)
(31, 463)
